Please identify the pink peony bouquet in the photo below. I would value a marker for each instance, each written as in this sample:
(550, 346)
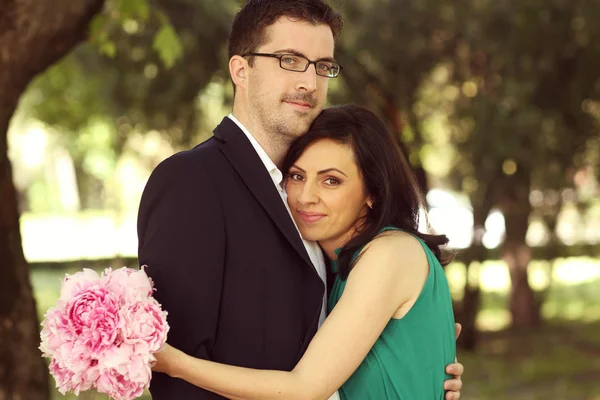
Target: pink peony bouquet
(103, 333)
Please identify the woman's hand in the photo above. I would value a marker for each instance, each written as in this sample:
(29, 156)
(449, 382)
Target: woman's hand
(165, 360)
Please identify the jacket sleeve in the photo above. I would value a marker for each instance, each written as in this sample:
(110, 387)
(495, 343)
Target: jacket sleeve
(181, 237)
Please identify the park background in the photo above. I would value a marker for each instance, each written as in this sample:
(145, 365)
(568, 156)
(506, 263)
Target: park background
(495, 103)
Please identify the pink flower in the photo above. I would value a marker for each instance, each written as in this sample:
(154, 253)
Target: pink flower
(73, 284)
(118, 386)
(73, 368)
(127, 360)
(93, 316)
(103, 333)
(55, 332)
(125, 374)
(130, 285)
(145, 325)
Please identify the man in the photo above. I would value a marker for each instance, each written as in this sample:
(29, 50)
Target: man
(240, 285)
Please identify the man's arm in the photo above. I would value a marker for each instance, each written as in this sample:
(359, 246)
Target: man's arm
(182, 242)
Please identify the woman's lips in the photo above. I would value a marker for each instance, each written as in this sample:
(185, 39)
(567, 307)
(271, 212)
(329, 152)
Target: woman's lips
(309, 217)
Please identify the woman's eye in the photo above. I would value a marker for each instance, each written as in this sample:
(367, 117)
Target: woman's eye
(296, 177)
(332, 181)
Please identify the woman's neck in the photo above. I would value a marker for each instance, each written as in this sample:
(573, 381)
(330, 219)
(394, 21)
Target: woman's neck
(330, 245)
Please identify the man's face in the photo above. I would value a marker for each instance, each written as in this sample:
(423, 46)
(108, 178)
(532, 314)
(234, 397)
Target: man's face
(284, 103)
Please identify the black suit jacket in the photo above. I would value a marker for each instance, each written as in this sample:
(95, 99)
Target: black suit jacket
(227, 262)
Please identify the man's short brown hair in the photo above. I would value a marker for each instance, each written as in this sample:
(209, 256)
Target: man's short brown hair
(248, 31)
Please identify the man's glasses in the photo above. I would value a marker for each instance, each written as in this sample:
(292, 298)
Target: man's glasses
(292, 62)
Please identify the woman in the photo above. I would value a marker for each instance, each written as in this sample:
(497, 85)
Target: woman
(390, 331)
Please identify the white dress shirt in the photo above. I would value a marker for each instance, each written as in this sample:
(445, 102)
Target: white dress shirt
(312, 248)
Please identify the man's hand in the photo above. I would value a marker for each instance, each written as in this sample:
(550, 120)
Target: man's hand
(454, 385)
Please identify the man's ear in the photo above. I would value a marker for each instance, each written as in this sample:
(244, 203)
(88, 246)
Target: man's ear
(238, 69)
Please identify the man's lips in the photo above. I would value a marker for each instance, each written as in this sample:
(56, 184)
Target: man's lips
(299, 104)
(310, 216)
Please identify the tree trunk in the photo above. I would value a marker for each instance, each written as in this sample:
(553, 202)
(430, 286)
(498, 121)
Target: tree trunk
(523, 306)
(22, 370)
(33, 35)
(482, 202)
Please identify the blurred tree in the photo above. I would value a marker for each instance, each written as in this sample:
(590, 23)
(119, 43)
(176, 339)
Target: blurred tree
(130, 88)
(33, 36)
(522, 108)
(521, 120)
(386, 52)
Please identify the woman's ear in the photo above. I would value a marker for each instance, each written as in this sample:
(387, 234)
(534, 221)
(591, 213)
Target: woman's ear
(370, 203)
(238, 68)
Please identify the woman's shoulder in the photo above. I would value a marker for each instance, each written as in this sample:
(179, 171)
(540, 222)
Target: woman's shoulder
(396, 257)
(399, 249)
(395, 241)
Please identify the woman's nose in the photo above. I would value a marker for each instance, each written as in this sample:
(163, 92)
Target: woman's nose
(308, 195)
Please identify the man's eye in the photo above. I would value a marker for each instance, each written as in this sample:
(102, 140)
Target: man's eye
(324, 67)
(289, 60)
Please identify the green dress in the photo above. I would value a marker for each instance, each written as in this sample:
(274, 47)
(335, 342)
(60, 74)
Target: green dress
(408, 360)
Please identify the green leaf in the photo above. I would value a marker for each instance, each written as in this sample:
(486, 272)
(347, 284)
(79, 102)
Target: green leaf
(99, 36)
(108, 48)
(97, 26)
(168, 45)
(134, 9)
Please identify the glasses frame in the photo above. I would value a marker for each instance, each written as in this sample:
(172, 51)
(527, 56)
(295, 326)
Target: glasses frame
(280, 56)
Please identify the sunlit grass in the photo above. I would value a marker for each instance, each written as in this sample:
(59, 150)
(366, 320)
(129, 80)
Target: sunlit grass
(558, 362)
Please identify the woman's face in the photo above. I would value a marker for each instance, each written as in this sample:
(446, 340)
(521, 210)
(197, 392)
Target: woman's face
(326, 194)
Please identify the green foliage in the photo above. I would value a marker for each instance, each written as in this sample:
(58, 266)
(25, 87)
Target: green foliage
(133, 9)
(143, 70)
(167, 44)
(471, 88)
(166, 41)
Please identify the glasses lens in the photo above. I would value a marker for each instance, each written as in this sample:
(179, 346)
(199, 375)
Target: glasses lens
(327, 68)
(293, 62)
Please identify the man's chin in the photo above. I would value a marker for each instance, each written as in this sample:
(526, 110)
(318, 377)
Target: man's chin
(298, 126)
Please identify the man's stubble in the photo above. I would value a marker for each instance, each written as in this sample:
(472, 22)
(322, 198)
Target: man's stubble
(281, 126)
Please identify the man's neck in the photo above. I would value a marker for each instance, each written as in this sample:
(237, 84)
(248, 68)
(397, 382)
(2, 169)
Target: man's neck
(275, 151)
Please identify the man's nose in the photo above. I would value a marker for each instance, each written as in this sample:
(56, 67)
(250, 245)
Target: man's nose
(308, 79)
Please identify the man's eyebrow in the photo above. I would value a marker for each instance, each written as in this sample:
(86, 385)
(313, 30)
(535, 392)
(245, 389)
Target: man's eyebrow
(297, 53)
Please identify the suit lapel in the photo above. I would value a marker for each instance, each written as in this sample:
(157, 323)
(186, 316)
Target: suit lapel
(242, 156)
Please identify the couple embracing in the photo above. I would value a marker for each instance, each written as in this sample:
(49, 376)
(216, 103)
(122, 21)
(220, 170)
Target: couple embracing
(286, 248)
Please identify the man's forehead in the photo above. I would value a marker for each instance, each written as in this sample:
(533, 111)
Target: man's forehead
(315, 41)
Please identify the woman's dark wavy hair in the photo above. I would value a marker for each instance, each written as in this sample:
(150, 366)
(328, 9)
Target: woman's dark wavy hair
(386, 174)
